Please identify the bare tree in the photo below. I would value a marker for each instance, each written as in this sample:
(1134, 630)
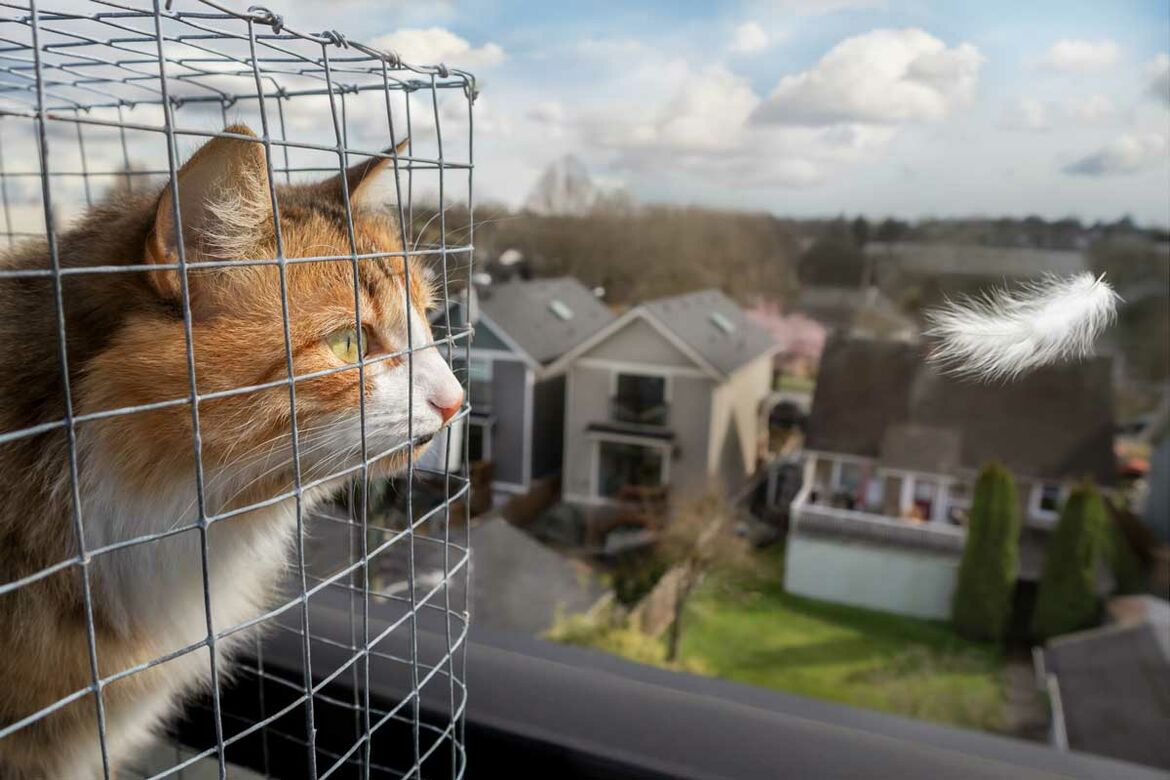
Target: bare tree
(699, 538)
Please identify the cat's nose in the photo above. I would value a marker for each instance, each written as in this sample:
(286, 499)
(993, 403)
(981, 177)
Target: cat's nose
(447, 402)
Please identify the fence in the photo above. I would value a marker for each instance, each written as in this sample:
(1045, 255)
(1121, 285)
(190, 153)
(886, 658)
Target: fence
(211, 325)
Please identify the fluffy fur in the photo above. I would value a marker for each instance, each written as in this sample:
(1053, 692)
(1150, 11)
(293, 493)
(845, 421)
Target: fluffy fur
(1006, 333)
(126, 347)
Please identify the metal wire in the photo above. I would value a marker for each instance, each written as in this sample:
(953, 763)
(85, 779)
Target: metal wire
(97, 95)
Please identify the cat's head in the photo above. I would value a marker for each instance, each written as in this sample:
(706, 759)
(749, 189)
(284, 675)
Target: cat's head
(238, 326)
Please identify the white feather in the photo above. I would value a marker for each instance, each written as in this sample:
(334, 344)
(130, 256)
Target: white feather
(1004, 333)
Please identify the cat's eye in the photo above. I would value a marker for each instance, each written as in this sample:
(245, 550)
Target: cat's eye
(348, 344)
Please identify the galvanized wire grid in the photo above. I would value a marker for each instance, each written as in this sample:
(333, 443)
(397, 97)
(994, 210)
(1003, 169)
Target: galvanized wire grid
(96, 94)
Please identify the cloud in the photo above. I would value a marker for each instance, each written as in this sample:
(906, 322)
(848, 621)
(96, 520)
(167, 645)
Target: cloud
(547, 112)
(1091, 108)
(880, 77)
(1027, 114)
(816, 7)
(707, 112)
(749, 38)
(1080, 56)
(437, 44)
(1130, 153)
(1158, 75)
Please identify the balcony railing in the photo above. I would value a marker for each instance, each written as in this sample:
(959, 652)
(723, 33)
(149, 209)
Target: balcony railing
(623, 410)
(865, 526)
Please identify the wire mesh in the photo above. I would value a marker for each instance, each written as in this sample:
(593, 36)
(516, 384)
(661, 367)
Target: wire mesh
(105, 102)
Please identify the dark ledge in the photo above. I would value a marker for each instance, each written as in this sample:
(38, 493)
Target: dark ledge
(538, 709)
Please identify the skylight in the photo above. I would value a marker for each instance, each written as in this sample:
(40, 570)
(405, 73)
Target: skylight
(560, 309)
(721, 322)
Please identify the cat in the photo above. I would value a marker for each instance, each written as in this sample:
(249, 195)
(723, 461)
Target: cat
(136, 473)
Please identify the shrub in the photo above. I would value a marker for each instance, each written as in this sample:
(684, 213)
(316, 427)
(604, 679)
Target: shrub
(987, 573)
(1067, 599)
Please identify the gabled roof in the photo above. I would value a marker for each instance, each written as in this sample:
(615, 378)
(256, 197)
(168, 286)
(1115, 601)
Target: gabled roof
(1054, 423)
(714, 326)
(706, 326)
(544, 318)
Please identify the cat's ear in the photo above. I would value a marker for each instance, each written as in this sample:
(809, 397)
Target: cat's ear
(225, 206)
(364, 178)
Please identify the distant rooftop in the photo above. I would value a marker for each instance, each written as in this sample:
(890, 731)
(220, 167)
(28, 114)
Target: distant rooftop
(545, 317)
(976, 260)
(714, 326)
(1054, 423)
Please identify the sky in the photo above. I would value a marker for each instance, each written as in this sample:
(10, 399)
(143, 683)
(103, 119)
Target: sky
(906, 108)
(910, 108)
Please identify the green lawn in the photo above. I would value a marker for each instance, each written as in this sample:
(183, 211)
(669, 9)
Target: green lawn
(745, 628)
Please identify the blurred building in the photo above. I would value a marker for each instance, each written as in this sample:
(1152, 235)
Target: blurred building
(956, 261)
(891, 455)
(665, 398)
(518, 403)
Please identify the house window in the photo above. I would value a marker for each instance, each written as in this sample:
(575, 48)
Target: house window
(622, 465)
(639, 399)
(958, 503)
(849, 485)
(925, 493)
(1049, 502)
(479, 442)
(873, 499)
(479, 379)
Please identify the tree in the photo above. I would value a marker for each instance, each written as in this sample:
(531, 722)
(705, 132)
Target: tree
(987, 573)
(860, 232)
(891, 230)
(1067, 600)
(833, 260)
(698, 538)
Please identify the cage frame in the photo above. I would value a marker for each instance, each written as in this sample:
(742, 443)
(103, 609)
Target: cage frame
(263, 31)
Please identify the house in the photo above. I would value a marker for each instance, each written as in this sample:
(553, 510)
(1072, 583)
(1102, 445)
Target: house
(517, 403)
(667, 396)
(892, 451)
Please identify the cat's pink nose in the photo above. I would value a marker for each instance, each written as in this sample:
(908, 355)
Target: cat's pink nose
(448, 404)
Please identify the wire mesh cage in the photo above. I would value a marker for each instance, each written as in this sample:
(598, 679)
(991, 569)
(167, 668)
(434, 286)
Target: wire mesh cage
(233, 502)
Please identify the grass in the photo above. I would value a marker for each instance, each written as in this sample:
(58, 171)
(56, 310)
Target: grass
(744, 627)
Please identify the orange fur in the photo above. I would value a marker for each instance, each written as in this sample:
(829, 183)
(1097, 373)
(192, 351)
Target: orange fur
(127, 346)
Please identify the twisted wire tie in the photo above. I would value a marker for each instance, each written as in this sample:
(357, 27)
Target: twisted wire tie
(263, 15)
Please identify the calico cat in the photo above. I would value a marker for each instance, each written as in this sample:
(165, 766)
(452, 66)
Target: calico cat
(136, 473)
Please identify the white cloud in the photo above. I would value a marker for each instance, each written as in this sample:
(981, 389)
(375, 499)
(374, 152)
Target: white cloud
(708, 113)
(437, 44)
(1027, 114)
(814, 7)
(749, 38)
(1080, 56)
(547, 112)
(612, 48)
(1158, 74)
(881, 77)
(1091, 108)
(1130, 153)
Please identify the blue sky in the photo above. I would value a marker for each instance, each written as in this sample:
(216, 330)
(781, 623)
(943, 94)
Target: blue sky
(915, 108)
